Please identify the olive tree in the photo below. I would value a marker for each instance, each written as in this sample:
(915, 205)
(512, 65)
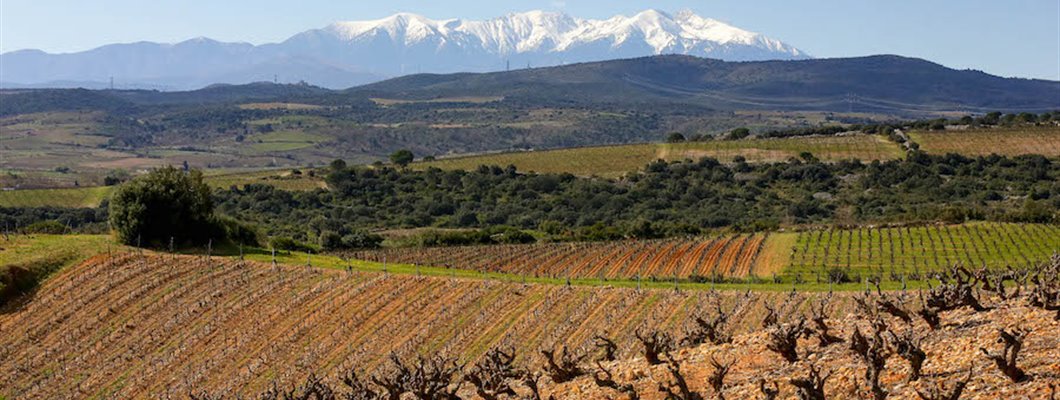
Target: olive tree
(166, 203)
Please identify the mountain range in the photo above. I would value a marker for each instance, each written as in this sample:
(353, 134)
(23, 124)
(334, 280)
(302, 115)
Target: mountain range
(346, 54)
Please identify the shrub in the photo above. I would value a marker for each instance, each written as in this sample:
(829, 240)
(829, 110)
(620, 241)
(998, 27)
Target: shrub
(46, 228)
(839, 275)
(739, 133)
(239, 232)
(288, 244)
(361, 239)
(401, 157)
(330, 240)
(167, 203)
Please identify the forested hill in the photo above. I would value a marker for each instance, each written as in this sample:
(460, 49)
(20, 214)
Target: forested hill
(884, 83)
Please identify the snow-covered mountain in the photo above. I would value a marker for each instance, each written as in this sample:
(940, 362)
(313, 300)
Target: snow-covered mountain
(349, 53)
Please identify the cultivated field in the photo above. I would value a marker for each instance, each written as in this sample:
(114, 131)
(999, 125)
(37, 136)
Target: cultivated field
(283, 179)
(134, 326)
(825, 148)
(896, 252)
(729, 256)
(615, 161)
(149, 326)
(279, 106)
(893, 254)
(606, 161)
(1002, 141)
(88, 197)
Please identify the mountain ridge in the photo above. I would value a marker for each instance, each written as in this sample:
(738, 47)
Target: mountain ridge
(884, 83)
(887, 84)
(350, 53)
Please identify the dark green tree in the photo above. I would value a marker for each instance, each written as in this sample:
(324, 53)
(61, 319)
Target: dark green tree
(330, 240)
(739, 133)
(675, 137)
(402, 157)
(165, 203)
(338, 165)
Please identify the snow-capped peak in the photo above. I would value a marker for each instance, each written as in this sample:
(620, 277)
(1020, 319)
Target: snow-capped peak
(552, 33)
(407, 26)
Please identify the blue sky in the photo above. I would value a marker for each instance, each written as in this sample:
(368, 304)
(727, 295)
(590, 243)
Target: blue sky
(1009, 38)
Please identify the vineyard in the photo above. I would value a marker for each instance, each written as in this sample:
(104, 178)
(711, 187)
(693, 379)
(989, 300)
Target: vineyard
(134, 326)
(683, 258)
(911, 252)
(896, 254)
(981, 142)
(618, 160)
(165, 326)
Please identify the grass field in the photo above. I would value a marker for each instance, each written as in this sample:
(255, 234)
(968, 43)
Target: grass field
(615, 161)
(87, 197)
(1002, 141)
(25, 261)
(22, 248)
(918, 250)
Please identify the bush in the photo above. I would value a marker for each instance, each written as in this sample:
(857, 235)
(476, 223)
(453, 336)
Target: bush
(46, 228)
(330, 240)
(240, 232)
(513, 236)
(167, 203)
(739, 133)
(288, 244)
(361, 239)
(839, 275)
(401, 157)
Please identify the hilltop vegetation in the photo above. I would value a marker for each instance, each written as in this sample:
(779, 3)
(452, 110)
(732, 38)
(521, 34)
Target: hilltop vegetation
(882, 83)
(667, 199)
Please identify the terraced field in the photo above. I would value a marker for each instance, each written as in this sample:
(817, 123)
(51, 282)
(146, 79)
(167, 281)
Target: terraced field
(1002, 141)
(917, 250)
(729, 256)
(615, 161)
(156, 326)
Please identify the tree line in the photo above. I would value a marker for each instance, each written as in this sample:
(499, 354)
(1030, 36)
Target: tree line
(665, 199)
